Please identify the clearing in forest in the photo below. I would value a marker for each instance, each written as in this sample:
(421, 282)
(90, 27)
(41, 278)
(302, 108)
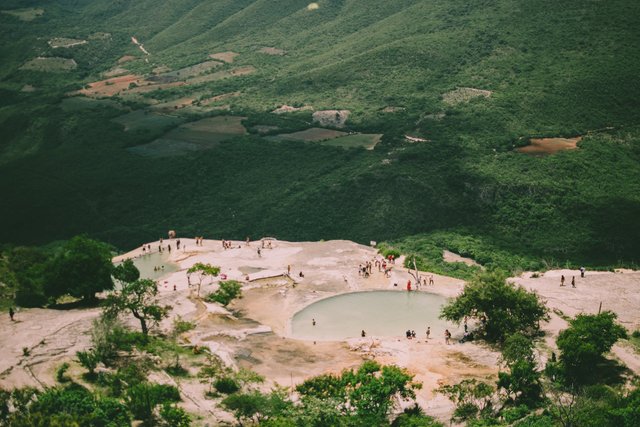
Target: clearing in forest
(173, 105)
(50, 64)
(227, 57)
(58, 42)
(220, 75)
(200, 135)
(264, 129)
(25, 14)
(126, 58)
(192, 70)
(272, 51)
(116, 71)
(449, 256)
(219, 98)
(544, 146)
(330, 137)
(146, 120)
(224, 125)
(464, 94)
(309, 135)
(332, 118)
(367, 141)
(392, 109)
(111, 86)
(289, 109)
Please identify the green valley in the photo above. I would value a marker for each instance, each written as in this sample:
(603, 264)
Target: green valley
(137, 118)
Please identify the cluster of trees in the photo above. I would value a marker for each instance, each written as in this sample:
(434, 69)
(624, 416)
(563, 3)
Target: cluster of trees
(80, 267)
(365, 396)
(579, 388)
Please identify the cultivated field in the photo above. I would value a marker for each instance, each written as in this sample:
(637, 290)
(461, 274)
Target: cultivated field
(220, 75)
(26, 14)
(50, 64)
(111, 86)
(464, 94)
(193, 70)
(200, 135)
(272, 51)
(544, 146)
(145, 120)
(227, 57)
(58, 42)
(309, 135)
(364, 140)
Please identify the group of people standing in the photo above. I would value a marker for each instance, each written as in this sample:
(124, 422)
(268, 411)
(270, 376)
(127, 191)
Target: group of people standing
(573, 278)
(411, 334)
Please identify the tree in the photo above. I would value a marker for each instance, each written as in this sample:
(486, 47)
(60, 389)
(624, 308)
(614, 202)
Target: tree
(26, 274)
(472, 398)
(126, 272)
(247, 406)
(227, 292)
(201, 271)
(174, 416)
(502, 307)
(369, 391)
(139, 298)
(522, 383)
(584, 343)
(82, 268)
(89, 360)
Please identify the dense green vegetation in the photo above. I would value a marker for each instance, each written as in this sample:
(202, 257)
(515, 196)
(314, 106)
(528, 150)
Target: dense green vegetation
(77, 268)
(554, 69)
(581, 388)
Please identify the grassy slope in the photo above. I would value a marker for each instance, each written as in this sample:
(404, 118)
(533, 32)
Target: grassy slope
(554, 69)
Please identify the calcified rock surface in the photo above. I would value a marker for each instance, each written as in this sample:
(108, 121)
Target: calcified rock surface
(254, 331)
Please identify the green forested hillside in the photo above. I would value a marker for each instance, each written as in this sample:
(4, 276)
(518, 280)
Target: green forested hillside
(548, 69)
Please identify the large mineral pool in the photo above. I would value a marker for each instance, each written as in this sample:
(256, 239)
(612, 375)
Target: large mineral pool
(378, 313)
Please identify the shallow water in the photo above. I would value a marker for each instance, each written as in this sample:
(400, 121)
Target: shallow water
(147, 262)
(379, 313)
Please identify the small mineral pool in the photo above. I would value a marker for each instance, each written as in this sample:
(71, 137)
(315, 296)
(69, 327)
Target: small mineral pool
(148, 262)
(378, 313)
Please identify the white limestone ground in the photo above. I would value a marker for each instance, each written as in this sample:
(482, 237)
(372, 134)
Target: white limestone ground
(253, 331)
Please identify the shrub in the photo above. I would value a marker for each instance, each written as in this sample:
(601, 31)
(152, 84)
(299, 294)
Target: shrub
(181, 326)
(89, 360)
(511, 415)
(226, 385)
(174, 416)
(177, 371)
(143, 398)
(60, 373)
(228, 291)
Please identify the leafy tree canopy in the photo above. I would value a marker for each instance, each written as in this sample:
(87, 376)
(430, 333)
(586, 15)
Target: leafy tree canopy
(126, 271)
(369, 390)
(81, 268)
(201, 271)
(584, 343)
(227, 292)
(502, 307)
(140, 299)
